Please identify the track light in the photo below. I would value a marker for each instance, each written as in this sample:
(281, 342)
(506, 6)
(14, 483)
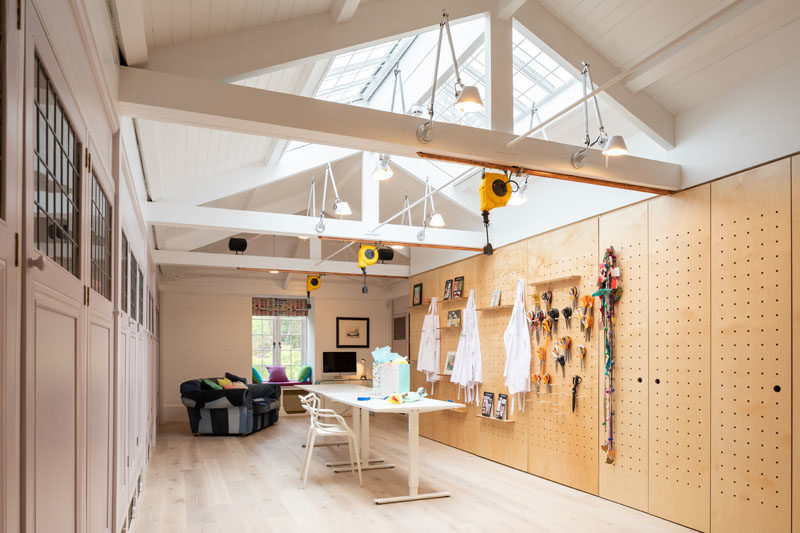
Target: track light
(468, 97)
(615, 145)
(382, 170)
(611, 146)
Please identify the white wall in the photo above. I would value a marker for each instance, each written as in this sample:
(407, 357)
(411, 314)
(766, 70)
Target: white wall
(206, 325)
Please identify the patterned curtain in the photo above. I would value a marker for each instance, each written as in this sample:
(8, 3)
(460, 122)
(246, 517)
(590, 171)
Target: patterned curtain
(279, 306)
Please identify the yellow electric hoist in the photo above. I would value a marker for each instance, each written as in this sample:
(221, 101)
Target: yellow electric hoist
(494, 191)
(313, 282)
(367, 256)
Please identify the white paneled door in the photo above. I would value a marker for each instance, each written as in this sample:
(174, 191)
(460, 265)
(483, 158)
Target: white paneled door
(54, 238)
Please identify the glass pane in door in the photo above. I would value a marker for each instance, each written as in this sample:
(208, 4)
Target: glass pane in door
(263, 343)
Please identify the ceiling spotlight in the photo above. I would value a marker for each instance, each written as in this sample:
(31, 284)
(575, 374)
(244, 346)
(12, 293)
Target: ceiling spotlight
(303, 237)
(615, 145)
(274, 271)
(469, 101)
(382, 170)
(397, 246)
(436, 220)
(468, 97)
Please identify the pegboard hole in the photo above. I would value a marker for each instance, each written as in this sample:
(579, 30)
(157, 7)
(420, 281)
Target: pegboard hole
(776, 388)
(658, 381)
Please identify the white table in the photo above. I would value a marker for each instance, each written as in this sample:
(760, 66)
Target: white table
(348, 394)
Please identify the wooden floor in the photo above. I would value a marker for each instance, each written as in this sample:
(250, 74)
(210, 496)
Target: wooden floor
(242, 484)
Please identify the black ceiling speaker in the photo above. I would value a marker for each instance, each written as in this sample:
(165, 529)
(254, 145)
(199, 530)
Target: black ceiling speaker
(385, 254)
(237, 245)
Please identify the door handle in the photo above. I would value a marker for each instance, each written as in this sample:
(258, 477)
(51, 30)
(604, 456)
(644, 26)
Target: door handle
(36, 263)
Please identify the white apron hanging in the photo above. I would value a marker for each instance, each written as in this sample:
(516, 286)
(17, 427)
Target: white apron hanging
(517, 341)
(428, 355)
(468, 369)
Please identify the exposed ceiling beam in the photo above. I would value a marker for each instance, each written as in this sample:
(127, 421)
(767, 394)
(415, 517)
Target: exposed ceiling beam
(240, 54)
(129, 15)
(698, 45)
(343, 10)
(294, 162)
(559, 41)
(281, 264)
(236, 221)
(166, 97)
(507, 8)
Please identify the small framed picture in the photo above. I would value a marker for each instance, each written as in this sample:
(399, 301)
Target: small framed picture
(458, 286)
(448, 289)
(488, 404)
(352, 332)
(502, 405)
(495, 298)
(416, 295)
(449, 363)
(454, 318)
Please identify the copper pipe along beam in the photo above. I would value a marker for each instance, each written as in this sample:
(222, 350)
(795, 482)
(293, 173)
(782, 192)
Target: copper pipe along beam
(546, 174)
(318, 273)
(414, 245)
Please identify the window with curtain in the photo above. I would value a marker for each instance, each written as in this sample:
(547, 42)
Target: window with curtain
(279, 327)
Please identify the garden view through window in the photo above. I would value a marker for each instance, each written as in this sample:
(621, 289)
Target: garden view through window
(279, 341)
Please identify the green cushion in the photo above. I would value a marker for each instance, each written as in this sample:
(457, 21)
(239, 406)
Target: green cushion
(304, 374)
(213, 384)
(257, 376)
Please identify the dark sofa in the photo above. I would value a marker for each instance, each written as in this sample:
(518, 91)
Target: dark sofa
(230, 411)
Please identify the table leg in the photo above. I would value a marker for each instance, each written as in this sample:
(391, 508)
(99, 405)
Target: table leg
(361, 429)
(413, 467)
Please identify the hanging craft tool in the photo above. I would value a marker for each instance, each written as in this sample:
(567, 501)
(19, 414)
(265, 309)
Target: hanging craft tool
(534, 324)
(581, 354)
(567, 314)
(539, 320)
(609, 293)
(559, 360)
(541, 353)
(576, 380)
(565, 345)
(547, 379)
(586, 314)
(547, 326)
(536, 379)
(553, 313)
(547, 298)
(573, 293)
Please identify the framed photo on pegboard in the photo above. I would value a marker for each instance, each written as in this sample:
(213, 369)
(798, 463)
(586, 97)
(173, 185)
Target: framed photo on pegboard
(416, 294)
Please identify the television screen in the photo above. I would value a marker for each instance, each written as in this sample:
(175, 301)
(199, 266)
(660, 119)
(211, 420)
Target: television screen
(339, 362)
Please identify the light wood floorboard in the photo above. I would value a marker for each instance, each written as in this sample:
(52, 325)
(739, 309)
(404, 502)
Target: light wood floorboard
(243, 484)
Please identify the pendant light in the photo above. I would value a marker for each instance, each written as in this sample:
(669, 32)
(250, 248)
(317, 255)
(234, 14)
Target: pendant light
(468, 97)
(611, 146)
(406, 210)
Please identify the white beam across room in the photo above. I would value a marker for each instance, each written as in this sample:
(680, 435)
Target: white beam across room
(554, 37)
(166, 97)
(129, 16)
(343, 10)
(283, 264)
(247, 52)
(236, 221)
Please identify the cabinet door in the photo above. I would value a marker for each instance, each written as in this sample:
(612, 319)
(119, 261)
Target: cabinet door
(680, 354)
(751, 342)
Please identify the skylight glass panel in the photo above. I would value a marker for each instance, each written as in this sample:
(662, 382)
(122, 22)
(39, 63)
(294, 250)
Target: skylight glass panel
(537, 79)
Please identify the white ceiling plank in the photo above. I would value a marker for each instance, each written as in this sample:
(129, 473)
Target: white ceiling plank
(166, 97)
(343, 10)
(507, 8)
(244, 53)
(684, 52)
(370, 189)
(233, 220)
(204, 259)
(249, 177)
(561, 43)
(129, 15)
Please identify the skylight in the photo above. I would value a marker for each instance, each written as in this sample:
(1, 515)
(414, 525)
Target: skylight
(538, 80)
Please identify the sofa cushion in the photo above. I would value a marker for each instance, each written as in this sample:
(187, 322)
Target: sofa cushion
(235, 378)
(256, 376)
(238, 385)
(224, 381)
(277, 374)
(263, 405)
(212, 384)
(304, 374)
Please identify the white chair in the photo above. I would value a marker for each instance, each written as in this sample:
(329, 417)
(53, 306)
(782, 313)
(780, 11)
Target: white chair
(311, 404)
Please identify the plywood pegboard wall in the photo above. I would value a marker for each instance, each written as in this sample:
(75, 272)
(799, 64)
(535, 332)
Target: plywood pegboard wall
(626, 479)
(690, 436)
(751, 362)
(680, 357)
(562, 445)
